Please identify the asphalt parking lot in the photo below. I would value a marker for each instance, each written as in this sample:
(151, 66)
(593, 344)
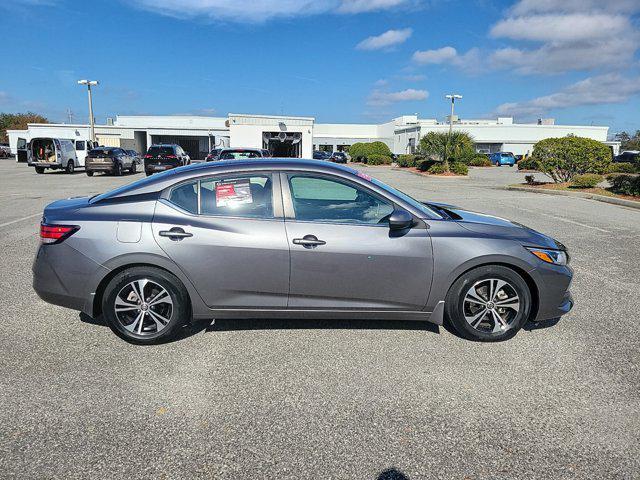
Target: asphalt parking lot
(330, 399)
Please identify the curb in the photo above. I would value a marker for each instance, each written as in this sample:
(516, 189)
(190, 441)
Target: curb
(455, 177)
(590, 196)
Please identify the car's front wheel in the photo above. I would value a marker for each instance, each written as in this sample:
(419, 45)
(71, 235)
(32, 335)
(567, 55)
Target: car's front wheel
(488, 304)
(145, 305)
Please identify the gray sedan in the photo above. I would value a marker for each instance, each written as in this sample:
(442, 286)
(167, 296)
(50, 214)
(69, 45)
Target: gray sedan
(268, 238)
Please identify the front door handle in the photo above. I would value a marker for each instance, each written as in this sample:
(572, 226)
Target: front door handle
(176, 233)
(309, 241)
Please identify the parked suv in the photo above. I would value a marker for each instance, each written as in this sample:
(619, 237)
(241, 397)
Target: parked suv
(164, 157)
(109, 160)
(502, 158)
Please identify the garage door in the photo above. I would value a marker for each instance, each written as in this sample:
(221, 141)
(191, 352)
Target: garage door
(108, 140)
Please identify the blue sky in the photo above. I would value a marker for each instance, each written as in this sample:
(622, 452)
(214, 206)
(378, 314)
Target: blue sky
(337, 60)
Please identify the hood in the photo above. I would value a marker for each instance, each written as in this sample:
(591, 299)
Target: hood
(495, 226)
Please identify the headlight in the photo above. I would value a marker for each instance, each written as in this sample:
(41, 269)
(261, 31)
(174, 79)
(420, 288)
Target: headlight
(556, 257)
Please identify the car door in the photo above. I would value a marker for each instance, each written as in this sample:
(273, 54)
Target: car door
(343, 254)
(226, 233)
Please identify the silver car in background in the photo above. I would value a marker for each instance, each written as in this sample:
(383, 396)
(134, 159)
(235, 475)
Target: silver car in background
(267, 238)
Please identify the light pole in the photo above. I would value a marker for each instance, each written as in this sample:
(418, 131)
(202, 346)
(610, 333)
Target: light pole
(89, 84)
(452, 97)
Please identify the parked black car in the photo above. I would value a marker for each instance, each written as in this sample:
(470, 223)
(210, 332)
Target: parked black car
(109, 160)
(164, 157)
(320, 155)
(630, 156)
(338, 157)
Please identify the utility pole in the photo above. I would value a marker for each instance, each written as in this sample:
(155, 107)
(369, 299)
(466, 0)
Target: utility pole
(89, 84)
(70, 115)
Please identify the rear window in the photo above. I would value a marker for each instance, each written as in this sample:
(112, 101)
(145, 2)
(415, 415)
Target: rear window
(102, 152)
(238, 154)
(160, 151)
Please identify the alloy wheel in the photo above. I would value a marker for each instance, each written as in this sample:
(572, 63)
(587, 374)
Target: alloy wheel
(491, 305)
(143, 307)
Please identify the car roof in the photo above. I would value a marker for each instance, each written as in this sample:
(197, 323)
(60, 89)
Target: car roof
(163, 180)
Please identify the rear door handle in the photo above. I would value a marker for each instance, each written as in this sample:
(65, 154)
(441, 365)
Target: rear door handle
(176, 233)
(309, 241)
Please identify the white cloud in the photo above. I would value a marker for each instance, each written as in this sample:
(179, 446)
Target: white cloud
(525, 7)
(260, 10)
(562, 27)
(599, 90)
(388, 39)
(379, 98)
(414, 78)
(440, 55)
(381, 82)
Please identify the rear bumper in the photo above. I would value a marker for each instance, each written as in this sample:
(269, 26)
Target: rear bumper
(98, 167)
(45, 165)
(158, 168)
(62, 275)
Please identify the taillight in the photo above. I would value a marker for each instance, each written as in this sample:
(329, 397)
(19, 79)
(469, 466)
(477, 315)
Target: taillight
(171, 156)
(56, 233)
(148, 156)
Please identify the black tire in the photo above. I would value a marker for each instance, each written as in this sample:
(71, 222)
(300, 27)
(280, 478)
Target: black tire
(39, 169)
(89, 174)
(71, 167)
(133, 168)
(117, 169)
(454, 304)
(180, 313)
(148, 173)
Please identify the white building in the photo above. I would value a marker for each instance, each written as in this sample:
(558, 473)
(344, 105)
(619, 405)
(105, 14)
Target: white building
(299, 136)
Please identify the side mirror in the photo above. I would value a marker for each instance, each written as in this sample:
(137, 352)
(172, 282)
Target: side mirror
(400, 220)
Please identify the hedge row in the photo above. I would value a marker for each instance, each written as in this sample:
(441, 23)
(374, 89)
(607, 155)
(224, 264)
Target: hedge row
(361, 152)
(625, 184)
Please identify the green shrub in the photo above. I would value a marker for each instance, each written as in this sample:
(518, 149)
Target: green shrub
(587, 180)
(563, 158)
(360, 152)
(530, 179)
(459, 168)
(623, 167)
(527, 163)
(480, 161)
(407, 160)
(437, 168)
(376, 159)
(625, 184)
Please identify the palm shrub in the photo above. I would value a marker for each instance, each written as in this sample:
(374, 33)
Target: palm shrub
(586, 180)
(564, 158)
(446, 147)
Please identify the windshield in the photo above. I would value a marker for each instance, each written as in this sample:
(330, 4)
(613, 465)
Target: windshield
(403, 196)
(154, 151)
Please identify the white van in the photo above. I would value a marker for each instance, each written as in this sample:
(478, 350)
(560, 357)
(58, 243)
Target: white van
(55, 153)
(82, 149)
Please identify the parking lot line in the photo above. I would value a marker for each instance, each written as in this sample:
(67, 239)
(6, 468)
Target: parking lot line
(20, 220)
(562, 219)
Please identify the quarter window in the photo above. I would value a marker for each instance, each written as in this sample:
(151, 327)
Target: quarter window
(80, 145)
(318, 199)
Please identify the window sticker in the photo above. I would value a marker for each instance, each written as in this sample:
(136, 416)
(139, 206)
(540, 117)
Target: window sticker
(233, 192)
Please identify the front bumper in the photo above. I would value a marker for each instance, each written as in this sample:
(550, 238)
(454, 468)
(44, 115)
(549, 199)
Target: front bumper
(554, 295)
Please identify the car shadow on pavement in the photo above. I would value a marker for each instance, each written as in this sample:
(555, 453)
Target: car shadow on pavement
(392, 474)
(238, 324)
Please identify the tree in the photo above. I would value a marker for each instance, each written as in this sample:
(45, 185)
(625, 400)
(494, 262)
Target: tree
(18, 121)
(628, 142)
(446, 147)
(563, 158)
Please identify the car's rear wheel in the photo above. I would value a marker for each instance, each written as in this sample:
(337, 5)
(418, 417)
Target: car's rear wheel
(133, 168)
(117, 169)
(70, 167)
(39, 169)
(488, 304)
(89, 174)
(145, 305)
